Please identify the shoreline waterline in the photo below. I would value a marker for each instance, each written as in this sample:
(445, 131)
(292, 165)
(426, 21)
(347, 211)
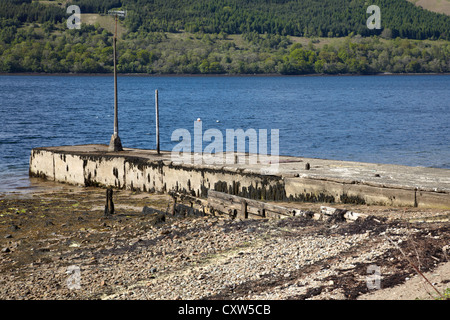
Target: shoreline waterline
(225, 75)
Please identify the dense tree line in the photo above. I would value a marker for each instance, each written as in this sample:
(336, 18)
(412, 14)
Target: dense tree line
(22, 11)
(34, 38)
(89, 50)
(96, 6)
(323, 18)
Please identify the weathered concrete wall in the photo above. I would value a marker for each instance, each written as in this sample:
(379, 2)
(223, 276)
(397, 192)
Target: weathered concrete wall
(341, 192)
(42, 164)
(133, 173)
(141, 170)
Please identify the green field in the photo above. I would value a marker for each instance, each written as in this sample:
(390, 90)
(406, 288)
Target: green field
(440, 6)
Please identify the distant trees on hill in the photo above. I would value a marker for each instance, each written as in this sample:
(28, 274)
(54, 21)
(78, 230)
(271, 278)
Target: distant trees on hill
(96, 6)
(89, 50)
(23, 11)
(321, 18)
(34, 38)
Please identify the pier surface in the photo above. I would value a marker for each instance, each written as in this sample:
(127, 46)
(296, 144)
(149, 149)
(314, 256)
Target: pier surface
(289, 179)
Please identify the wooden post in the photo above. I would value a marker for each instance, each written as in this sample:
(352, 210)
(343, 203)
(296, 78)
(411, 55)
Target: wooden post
(244, 212)
(109, 207)
(157, 121)
(174, 208)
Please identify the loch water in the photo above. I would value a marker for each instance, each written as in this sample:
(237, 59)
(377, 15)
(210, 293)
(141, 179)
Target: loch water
(398, 119)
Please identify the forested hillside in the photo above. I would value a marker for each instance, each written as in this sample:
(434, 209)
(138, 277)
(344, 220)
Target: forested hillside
(323, 18)
(21, 11)
(225, 36)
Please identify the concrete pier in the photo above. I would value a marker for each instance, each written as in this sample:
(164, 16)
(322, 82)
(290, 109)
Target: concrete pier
(296, 178)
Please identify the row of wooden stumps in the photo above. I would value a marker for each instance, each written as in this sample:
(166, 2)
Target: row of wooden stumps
(183, 205)
(243, 208)
(238, 207)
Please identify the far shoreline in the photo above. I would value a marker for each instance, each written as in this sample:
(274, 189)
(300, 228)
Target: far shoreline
(187, 75)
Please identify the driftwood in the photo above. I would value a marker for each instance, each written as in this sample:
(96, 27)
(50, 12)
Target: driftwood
(186, 205)
(160, 216)
(248, 208)
(239, 207)
(341, 214)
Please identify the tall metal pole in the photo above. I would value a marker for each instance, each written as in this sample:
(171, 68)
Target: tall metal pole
(116, 120)
(157, 121)
(115, 144)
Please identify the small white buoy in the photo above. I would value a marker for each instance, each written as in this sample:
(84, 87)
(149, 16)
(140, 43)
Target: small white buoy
(217, 121)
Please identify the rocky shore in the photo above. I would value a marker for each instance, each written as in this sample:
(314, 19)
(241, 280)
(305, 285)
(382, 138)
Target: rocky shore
(58, 244)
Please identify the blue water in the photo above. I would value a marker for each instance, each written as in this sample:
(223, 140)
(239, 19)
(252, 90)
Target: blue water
(382, 119)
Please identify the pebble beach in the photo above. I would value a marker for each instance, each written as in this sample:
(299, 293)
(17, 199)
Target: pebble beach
(58, 244)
